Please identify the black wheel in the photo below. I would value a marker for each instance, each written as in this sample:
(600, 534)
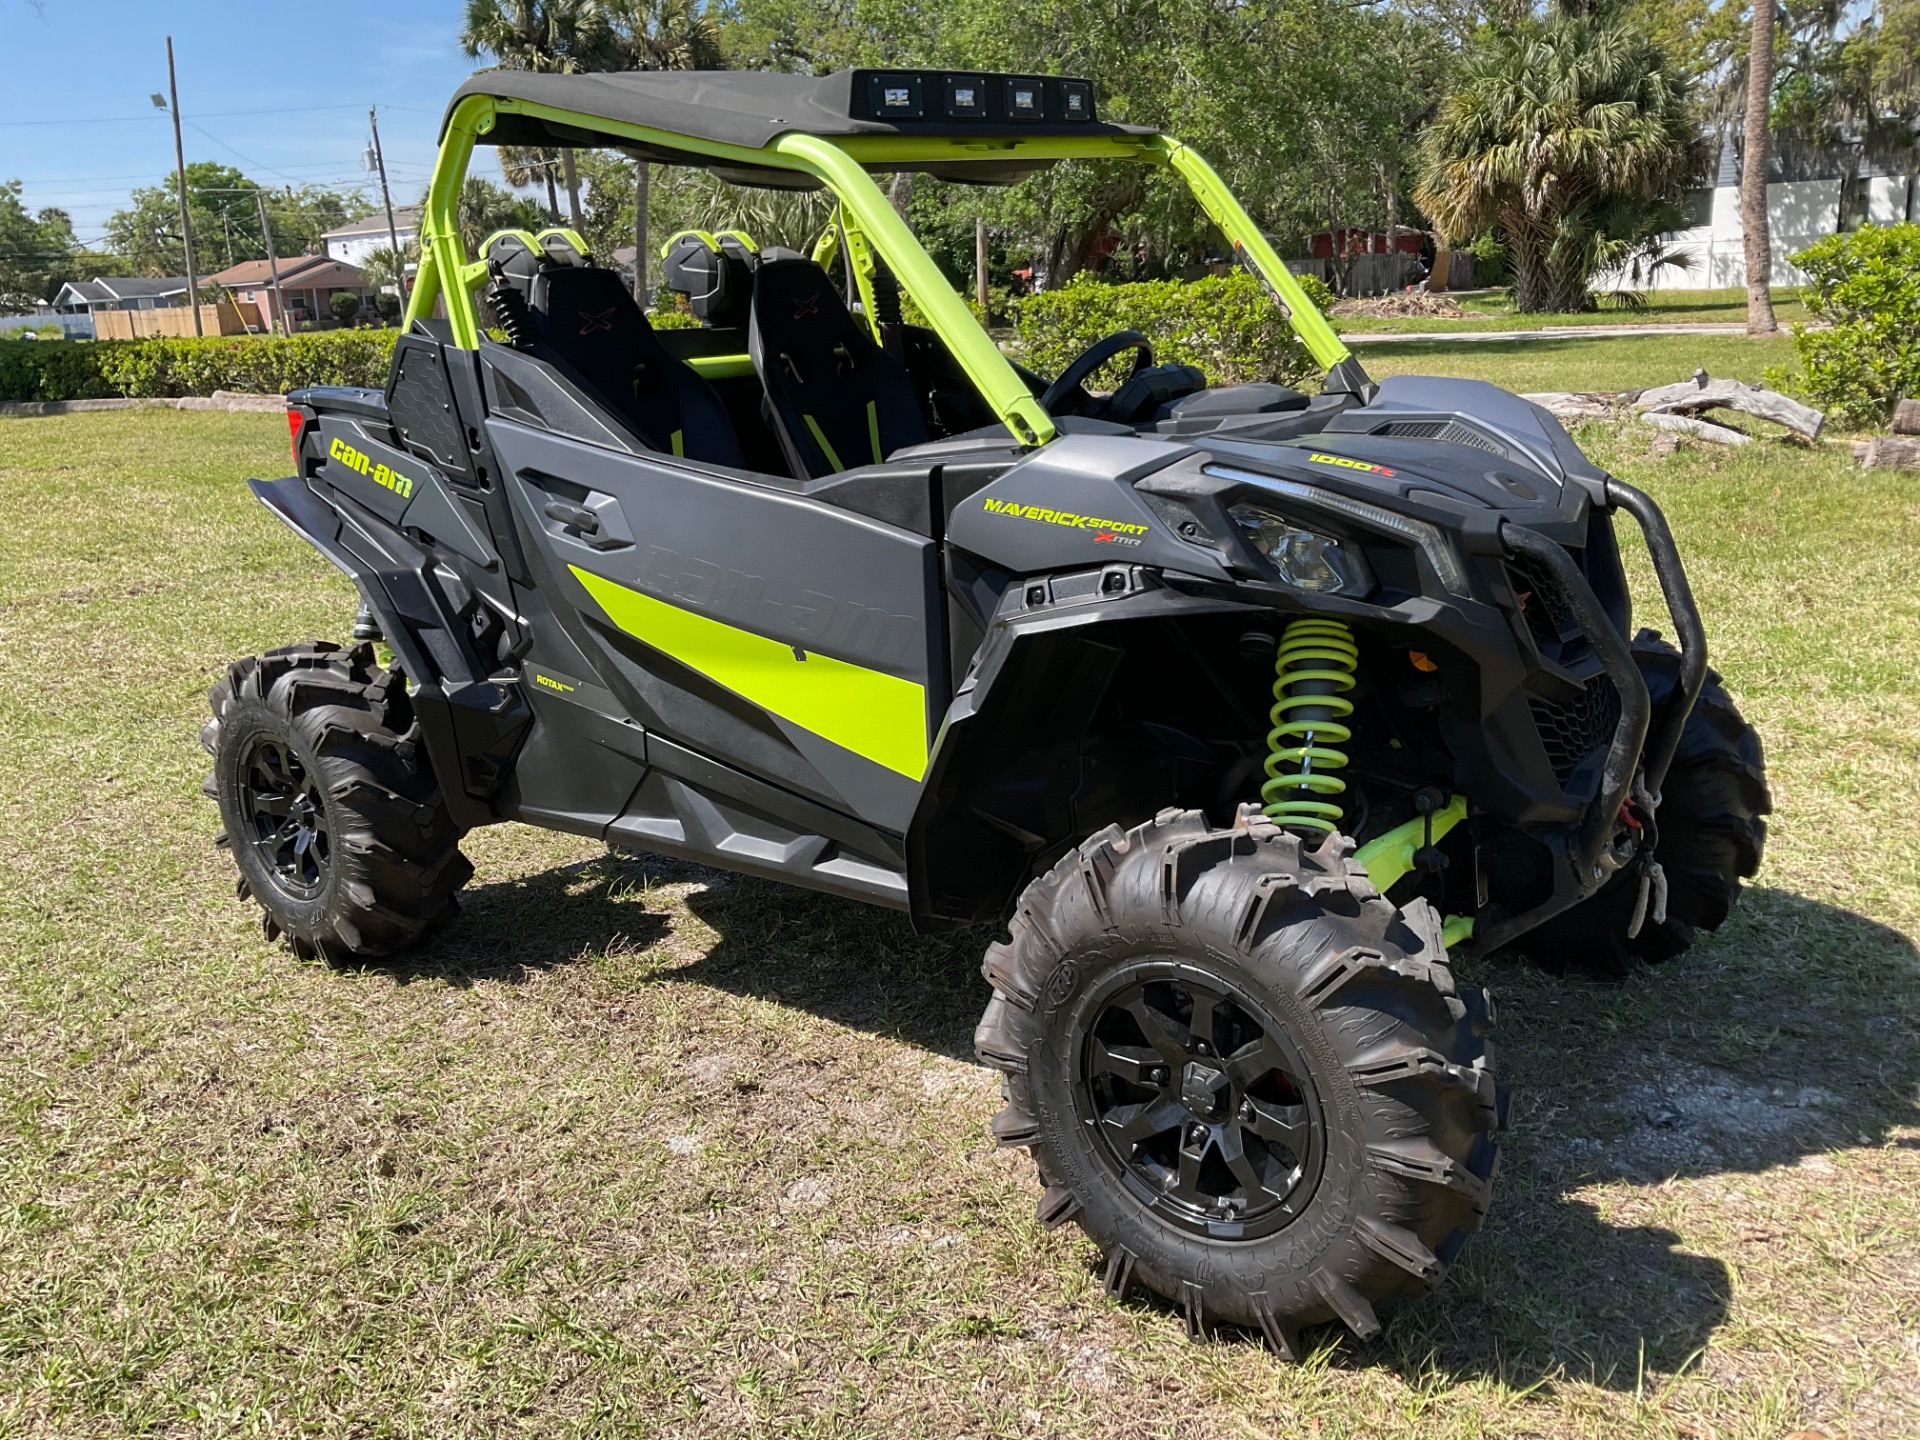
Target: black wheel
(328, 804)
(1244, 1073)
(1711, 832)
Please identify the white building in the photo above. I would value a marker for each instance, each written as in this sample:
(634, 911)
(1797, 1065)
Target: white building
(352, 244)
(1811, 192)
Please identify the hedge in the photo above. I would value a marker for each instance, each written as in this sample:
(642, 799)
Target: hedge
(165, 368)
(1228, 326)
(1866, 286)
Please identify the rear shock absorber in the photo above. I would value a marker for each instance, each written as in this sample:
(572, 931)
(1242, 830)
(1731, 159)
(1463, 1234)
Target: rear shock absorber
(1313, 667)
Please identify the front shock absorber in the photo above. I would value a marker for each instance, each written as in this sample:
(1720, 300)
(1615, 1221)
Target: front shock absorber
(1313, 667)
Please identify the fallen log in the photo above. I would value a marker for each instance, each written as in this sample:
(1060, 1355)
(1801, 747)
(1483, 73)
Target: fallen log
(1698, 429)
(1906, 418)
(1570, 406)
(1703, 392)
(1892, 452)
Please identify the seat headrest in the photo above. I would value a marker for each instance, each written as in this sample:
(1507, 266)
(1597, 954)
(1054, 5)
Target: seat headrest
(513, 256)
(714, 272)
(564, 247)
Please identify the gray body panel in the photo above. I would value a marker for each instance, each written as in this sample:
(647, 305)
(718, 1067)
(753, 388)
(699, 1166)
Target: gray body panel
(820, 579)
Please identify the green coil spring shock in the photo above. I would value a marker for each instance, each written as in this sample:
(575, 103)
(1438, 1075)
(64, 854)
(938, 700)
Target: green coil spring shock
(1313, 666)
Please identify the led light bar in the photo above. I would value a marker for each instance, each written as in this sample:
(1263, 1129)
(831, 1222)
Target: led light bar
(945, 97)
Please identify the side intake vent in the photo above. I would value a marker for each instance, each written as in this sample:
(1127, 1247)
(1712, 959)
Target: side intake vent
(1447, 432)
(420, 402)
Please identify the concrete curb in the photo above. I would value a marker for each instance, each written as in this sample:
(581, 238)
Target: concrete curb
(219, 400)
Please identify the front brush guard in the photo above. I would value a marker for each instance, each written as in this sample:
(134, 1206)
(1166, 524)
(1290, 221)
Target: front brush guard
(1638, 745)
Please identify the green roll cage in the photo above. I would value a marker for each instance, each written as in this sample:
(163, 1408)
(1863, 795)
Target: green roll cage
(867, 221)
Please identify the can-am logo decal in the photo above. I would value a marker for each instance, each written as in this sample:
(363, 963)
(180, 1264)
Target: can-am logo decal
(379, 474)
(1105, 532)
(1346, 463)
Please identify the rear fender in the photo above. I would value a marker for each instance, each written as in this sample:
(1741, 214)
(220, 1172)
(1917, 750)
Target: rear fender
(472, 725)
(1014, 779)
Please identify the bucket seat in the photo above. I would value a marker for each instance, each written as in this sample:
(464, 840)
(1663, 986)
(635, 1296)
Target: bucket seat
(587, 326)
(834, 397)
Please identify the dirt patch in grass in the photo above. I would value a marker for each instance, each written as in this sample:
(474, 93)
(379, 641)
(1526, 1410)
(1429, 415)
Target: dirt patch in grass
(639, 1148)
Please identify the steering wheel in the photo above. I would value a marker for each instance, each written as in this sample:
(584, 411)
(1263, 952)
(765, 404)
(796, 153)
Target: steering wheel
(1067, 384)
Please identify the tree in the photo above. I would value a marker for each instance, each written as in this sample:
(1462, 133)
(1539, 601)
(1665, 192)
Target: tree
(1753, 173)
(1573, 138)
(386, 267)
(484, 207)
(548, 35)
(525, 165)
(38, 252)
(224, 210)
(656, 35)
(345, 306)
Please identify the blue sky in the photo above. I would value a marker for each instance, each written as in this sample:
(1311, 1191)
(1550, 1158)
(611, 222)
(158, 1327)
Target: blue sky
(279, 90)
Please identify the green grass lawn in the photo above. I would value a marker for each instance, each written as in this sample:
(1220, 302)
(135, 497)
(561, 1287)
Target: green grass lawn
(1494, 311)
(639, 1149)
(1628, 362)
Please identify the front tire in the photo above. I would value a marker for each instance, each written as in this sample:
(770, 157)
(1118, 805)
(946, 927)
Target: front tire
(1245, 1074)
(328, 803)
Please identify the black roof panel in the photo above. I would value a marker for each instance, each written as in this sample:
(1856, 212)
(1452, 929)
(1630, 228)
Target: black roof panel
(751, 108)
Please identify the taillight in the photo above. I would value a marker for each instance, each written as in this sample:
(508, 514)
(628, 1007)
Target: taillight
(294, 417)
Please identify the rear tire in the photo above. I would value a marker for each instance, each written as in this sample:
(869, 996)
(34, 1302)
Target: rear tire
(328, 802)
(1712, 833)
(1322, 1140)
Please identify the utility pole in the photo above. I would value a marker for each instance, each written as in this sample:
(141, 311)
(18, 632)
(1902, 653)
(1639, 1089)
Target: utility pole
(273, 265)
(180, 176)
(393, 232)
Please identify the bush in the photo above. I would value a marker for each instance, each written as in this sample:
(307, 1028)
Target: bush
(1227, 326)
(1866, 286)
(166, 368)
(269, 365)
(345, 306)
(54, 370)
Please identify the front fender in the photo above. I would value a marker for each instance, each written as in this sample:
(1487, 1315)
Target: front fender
(1004, 792)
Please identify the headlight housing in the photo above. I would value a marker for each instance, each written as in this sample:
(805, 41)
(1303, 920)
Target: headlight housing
(1306, 559)
(1431, 541)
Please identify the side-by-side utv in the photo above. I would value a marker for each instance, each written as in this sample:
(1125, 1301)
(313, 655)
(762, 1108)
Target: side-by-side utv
(1235, 708)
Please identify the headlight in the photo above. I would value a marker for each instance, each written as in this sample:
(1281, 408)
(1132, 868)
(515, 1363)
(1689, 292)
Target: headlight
(1432, 542)
(1305, 560)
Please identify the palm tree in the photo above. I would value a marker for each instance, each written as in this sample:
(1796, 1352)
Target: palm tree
(1571, 137)
(561, 36)
(656, 35)
(1753, 173)
(524, 165)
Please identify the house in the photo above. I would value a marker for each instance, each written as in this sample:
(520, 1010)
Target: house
(120, 292)
(352, 243)
(1812, 190)
(308, 282)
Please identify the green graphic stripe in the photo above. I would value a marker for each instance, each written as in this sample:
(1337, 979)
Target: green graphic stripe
(873, 432)
(879, 716)
(820, 439)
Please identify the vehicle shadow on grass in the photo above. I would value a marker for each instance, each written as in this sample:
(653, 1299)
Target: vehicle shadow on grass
(509, 930)
(1794, 1031)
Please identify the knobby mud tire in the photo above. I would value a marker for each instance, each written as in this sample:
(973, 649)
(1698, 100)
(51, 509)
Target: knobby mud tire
(1398, 1058)
(394, 865)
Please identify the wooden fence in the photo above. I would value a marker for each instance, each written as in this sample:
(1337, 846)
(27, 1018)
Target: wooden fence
(229, 317)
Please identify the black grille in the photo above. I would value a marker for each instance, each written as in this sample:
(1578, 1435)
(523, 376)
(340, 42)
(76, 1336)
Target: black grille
(1547, 610)
(1573, 731)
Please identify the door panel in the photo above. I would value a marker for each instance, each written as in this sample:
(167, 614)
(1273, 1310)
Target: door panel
(779, 634)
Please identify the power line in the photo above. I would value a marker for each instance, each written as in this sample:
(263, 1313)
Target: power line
(210, 115)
